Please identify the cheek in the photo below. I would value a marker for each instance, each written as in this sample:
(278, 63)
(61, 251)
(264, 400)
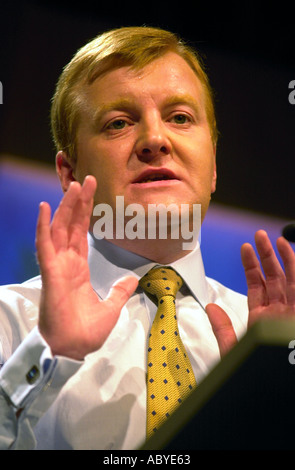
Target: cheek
(197, 148)
(92, 160)
(200, 163)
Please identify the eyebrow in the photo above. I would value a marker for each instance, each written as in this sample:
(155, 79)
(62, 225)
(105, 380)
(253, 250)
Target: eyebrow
(122, 104)
(184, 99)
(126, 104)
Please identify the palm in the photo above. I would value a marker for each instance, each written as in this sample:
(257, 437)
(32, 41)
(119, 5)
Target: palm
(271, 295)
(72, 318)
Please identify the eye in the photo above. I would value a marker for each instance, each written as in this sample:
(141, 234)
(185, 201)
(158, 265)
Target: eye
(180, 119)
(118, 124)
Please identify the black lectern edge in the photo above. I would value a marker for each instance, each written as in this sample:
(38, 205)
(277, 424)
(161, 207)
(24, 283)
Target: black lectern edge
(263, 332)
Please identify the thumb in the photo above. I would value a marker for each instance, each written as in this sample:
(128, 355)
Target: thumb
(222, 328)
(121, 291)
(117, 297)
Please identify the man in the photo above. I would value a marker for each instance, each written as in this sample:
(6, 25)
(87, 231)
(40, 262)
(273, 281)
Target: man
(133, 117)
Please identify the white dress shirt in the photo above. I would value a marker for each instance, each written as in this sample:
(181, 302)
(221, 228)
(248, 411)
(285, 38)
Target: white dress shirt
(99, 403)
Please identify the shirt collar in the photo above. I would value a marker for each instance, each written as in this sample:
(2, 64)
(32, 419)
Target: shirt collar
(108, 263)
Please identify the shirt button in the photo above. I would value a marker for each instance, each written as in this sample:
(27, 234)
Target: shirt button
(33, 375)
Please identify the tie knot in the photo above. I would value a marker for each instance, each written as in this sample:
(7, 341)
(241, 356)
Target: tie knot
(161, 281)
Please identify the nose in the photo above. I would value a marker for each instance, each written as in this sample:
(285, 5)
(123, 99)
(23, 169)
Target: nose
(152, 140)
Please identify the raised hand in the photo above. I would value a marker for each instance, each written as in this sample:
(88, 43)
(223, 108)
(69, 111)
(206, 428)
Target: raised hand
(72, 319)
(270, 295)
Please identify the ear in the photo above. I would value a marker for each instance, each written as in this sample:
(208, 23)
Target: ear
(214, 177)
(64, 170)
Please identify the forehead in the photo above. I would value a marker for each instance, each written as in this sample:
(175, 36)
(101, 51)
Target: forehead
(167, 76)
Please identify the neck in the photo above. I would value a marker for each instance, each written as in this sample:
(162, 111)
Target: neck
(158, 246)
(159, 251)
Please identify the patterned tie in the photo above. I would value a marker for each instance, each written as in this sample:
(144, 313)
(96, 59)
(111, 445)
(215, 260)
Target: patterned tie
(170, 378)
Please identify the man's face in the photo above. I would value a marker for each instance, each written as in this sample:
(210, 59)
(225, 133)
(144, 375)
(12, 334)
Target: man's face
(144, 135)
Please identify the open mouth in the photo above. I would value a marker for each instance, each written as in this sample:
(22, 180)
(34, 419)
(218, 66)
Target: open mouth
(157, 177)
(152, 176)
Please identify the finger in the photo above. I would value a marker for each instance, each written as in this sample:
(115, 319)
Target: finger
(63, 215)
(45, 249)
(274, 274)
(288, 257)
(254, 277)
(222, 328)
(88, 188)
(80, 221)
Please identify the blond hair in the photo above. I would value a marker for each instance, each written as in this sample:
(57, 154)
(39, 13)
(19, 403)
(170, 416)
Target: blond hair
(128, 46)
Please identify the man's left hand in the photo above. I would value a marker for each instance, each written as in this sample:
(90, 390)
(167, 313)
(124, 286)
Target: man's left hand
(270, 295)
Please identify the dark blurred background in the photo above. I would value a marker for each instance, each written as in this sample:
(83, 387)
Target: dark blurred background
(249, 53)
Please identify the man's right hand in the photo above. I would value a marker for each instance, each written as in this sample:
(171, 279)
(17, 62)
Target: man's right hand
(73, 320)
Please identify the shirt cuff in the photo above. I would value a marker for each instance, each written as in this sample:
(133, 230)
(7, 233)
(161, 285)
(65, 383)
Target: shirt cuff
(31, 367)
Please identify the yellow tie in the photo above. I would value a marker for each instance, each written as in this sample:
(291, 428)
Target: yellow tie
(170, 377)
